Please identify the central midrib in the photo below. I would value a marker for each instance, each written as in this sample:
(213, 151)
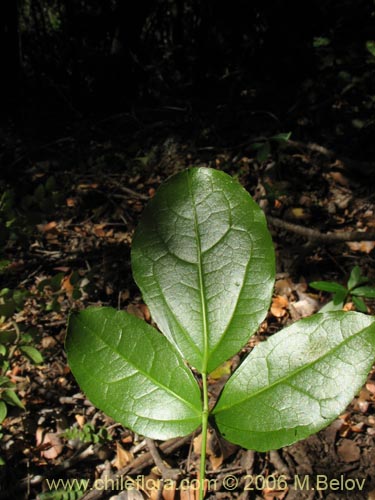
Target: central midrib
(201, 283)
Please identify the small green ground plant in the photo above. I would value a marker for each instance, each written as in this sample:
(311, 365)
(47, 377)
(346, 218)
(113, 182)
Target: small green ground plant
(357, 288)
(204, 261)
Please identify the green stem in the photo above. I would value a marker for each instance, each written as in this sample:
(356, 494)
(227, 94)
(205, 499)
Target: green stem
(202, 475)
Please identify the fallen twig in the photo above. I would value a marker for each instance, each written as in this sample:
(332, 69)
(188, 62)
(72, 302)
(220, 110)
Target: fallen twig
(315, 234)
(137, 466)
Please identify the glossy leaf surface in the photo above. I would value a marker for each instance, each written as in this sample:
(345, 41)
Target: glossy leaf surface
(329, 286)
(3, 411)
(364, 291)
(203, 259)
(131, 372)
(298, 381)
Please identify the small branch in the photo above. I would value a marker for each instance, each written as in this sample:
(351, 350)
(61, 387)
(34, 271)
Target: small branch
(166, 472)
(279, 464)
(315, 234)
(138, 465)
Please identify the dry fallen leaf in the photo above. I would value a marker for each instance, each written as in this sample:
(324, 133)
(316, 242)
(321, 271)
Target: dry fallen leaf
(284, 286)
(361, 246)
(145, 311)
(279, 305)
(49, 443)
(48, 342)
(270, 494)
(128, 495)
(348, 451)
(67, 286)
(303, 308)
(80, 419)
(45, 228)
(135, 311)
(370, 386)
(123, 457)
(215, 449)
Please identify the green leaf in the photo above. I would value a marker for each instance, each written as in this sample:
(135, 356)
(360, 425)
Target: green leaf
(281, 138)
(356, 278)
(264, 152)
(204, 261)
(33, 354)
(8, 308)
(11, 398)
(298, 381)
(19, 297)
(5, 382)
(3, 350)
(359, 304)
(339, 298)
(321, 41)
(51, 184)
(131, 372)
(64, 494)
(328, 286)
(364, 291)
(3, 411)
(370, 46)
(4, 263)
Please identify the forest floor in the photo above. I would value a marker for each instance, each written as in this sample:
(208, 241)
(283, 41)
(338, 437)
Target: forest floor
(75, 252)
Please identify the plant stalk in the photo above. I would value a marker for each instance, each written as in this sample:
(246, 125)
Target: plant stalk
(202, 474)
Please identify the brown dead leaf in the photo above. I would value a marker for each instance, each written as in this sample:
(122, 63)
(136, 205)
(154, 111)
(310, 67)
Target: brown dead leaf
(339, 178)
(67, 286)
(349, 306)
(135, 310)
(284, 286)
(370, 386)
(279, 305)
(129, 494)
(361, 246)
(48, 342)
(189, 494)
(348, 451)
(189, 490)
(123, 457)
(71, 202)
(49, 443)
(80, 419)
(213, 449)
(99, 230)
(150, 484)
(169, 490)
(363, 401)
(45, 228)
(271, 494)
(303, 308)
(145, 311)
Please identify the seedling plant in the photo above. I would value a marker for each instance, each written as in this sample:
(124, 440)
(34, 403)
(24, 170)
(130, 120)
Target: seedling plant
(357, 288)
(203, 259)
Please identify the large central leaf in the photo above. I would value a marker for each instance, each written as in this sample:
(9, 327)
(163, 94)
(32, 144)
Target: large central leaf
(298, 381)
(203, 259)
